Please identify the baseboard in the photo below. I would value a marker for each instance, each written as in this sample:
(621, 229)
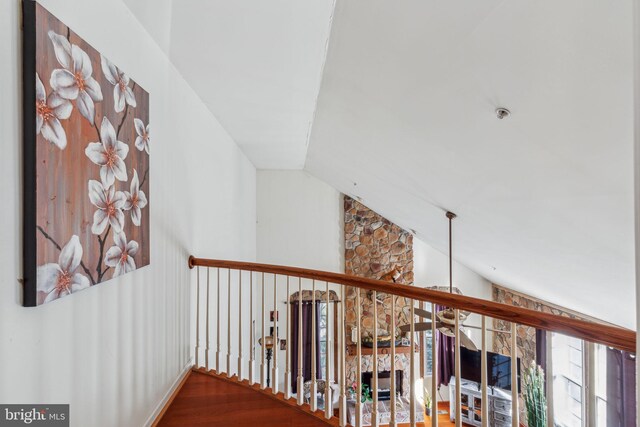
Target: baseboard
(163, 405)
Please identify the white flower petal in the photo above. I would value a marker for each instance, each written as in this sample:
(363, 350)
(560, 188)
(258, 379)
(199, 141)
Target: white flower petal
(113, 256)
(108, 134)
(85, 106)
(142, 199)
(119, 270)
(47, 277)
(41, 95)
(140, 143)
(100, 221)
(53, 132)
(62, 49)
(53, 295)
(128, 95)
(109, 70)
(127, 204)
(122, 149)
(136, 215)
(61, 107)
(135, 183)
(130, 265)
(81, 62)
(120, 240)
(39, 123)
(118, 99)
(79, 282)
(96, 153)
(71, 255)
(120, 169)
(106, 176)
(63, 82)
(124, 78)
(140, 130)
(92, 87)
(117, 221)
(146, 146)
(96, 194)
(119, 200)
(132, 248)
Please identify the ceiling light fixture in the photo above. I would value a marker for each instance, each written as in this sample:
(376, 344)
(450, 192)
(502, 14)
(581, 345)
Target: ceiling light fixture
(501, 113)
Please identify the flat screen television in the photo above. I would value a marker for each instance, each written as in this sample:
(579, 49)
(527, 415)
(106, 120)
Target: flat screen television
(498, 368)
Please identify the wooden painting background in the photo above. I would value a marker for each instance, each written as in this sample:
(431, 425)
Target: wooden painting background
(62, 176)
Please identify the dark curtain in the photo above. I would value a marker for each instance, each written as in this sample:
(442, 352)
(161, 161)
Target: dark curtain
(541, 349)
(307, 313)
(621, 388)
(445, 349)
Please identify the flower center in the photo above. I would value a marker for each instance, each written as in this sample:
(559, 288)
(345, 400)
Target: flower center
(123, 257)
(43, 110)
(64, 282)
(122, 85)
(134, 199)
(111, 209)
(79, 80)
(111, 157)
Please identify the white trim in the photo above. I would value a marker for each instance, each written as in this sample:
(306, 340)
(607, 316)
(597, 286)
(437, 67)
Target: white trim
(185, 371)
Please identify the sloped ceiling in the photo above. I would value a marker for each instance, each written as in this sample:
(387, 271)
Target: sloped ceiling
(257, 65)
(405, 120)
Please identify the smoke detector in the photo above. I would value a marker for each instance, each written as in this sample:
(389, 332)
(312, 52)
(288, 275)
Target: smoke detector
(501, 113)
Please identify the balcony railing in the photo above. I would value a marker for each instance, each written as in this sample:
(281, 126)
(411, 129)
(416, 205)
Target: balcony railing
(250, 283)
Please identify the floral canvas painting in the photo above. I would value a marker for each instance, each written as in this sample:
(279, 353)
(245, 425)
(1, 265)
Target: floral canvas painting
(86, 163)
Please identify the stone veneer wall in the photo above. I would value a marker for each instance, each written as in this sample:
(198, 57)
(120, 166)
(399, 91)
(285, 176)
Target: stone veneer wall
(526, 334)
(374, 246)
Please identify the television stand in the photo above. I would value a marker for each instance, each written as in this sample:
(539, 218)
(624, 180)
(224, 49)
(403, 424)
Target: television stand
(471, 404)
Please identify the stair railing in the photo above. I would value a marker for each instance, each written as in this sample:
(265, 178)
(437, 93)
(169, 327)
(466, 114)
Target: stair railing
(350, 405)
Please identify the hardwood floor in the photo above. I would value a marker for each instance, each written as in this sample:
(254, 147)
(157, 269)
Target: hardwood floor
(208, 401)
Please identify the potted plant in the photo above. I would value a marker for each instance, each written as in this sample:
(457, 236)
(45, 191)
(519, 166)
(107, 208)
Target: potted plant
(427, 401)
(534, 398)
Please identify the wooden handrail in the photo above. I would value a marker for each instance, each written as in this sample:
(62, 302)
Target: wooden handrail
(614, 336)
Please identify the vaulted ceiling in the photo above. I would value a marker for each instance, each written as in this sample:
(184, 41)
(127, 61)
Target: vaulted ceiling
(405, 119)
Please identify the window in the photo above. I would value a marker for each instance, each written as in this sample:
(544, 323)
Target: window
(601, 385)
(323, 339)
(568, 380)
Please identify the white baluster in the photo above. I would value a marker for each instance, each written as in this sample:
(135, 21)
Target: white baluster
(483, 368)
(263, 367)
(252, 349)
(392, 415)
(548, 377)
(240, 361)
(358, 362)
(515, 411)
(218, 326)
(374, 376)
(342, 408)
(287, 363)
(197, 315)
(434, 369)
(300, 386)
(412, 368)
(314, 384)
(328, 409)
(457, 369)
(229, 323)
(274, 338)
(206, 351)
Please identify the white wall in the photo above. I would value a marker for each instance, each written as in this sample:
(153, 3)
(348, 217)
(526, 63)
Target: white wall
(300, 223)
(113, 351)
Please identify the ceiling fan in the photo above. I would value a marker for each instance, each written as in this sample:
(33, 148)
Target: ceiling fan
(445, 319)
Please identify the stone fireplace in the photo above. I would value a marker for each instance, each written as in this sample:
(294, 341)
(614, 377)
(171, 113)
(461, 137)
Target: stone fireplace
(384, 383)
(375, 246)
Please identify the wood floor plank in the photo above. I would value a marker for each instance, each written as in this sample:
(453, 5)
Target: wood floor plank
(208, 401)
